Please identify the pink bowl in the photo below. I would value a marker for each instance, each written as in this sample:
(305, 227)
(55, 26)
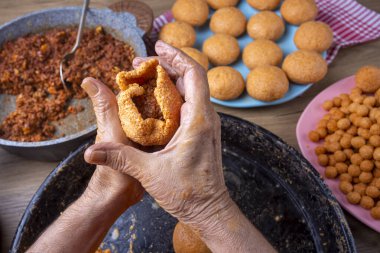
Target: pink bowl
(307, 122)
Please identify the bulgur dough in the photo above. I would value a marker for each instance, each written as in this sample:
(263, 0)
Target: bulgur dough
(264, 5)
(221, 49)
(314, 35)
(267, 83)
(197, 56)
(186, 241)
(266, 25)
(225, 83)
(304, 67)
(178, 34)
(217, 4)
(193, 12)
(297, 12)
(261, 53)
(149, 104)
(367, 78)
(228, 20)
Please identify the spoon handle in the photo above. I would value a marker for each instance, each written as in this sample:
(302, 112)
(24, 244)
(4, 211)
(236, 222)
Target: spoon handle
(81, 25)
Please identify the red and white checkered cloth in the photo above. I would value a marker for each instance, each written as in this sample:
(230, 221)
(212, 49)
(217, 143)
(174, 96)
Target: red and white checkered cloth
(351, 22)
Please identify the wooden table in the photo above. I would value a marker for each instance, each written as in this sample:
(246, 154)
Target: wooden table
(20, 178)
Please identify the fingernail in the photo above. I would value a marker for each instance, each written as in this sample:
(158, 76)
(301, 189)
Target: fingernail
(90, 87)
(98, 157)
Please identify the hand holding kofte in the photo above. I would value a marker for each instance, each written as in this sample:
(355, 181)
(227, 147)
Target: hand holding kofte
(149, 104)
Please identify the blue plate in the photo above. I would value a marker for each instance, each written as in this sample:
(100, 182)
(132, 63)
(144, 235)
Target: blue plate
(287, 45)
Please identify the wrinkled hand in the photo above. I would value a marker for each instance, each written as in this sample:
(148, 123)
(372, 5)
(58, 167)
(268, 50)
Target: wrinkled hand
(106, 182)
(186, 177)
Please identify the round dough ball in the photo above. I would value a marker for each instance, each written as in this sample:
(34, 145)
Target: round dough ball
(225, 83)
(314, 35)
(305, 67)
(178, 34)
(229, 20)
(264, 5)
(267, 83)
(193, 12)
(368, 78)
(221, 49)
(197, 56)
(186, 241)
(297, 12)
(261, 53)
(217, 4)
(266, 25)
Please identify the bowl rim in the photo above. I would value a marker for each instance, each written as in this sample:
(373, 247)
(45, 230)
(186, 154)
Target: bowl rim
(87, 131)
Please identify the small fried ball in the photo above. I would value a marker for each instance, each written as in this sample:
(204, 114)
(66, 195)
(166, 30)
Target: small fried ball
(360, 188)
(366, 152)
(377, 183)
(331, 172)
(322, 123)
(344, 124)
(375, 129)
(348, 152)
(367, 202)
(333, 147)
(327, 105)
(345, 177)
(337, 101)
(332, 160)
(322, 132)
(354, 170)
(314, 36)
(374, 140)
(353, 130)
(372, 191)
(376, 173)
(217, 4)
(376, 154)
(354, 198)
(178, 34)
(197, 56)
(357, 142)
(297, 12)
(345, 187)
(356, 90)
(365, 123)
(345, 142)
(367, 165)
(305, 67)
(228, 20)
(341, 167)
(367, 78)
(340, 156)
(221, 49)
(332, 126)
(264, 5)
(225, 83)
(320, 150)
(261, 53)
(375, 212)
(193, 12)
(362, 110)
(266, 25)
(313, 136)
(365, 177)
(369, 101)
(364, 133)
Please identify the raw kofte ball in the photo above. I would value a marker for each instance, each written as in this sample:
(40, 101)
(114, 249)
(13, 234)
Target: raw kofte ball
(225, 83)
(217, 4)
(314, 36)
(305, 67)
(193, 12)
(266, 25)
(264, 5)
(228, 20)
(267, 83)
(197, 56)
(367, 78)
(297, 12)
(221, 49)
(261, 53)
(178, 34)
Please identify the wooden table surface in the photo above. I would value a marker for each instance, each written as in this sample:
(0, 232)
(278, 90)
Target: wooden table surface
(20, 178)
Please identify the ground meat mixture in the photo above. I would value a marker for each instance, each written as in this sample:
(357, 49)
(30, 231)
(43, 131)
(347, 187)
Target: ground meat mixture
(147, 103)
(29, 68)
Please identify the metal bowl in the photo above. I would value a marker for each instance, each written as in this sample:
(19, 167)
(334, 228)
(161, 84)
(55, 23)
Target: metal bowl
(76, 128)
(275, 187)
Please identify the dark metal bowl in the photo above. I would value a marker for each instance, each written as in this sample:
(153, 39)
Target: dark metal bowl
(77, 128)
(276, 188)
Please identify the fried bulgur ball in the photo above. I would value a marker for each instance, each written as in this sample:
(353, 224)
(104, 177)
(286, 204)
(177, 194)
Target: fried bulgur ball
(354, 197)
(221, 49)
(178, 34)
(305, 67)
(266, 25)
(376, 154)
(345, 177)
(320, 150)
(297, 12)
(314, 36)
(225, 83)
(367, 78)
(217, 4)
(331, 172)
(229, 20)
(197, 56)
(357, 142)
(327, 105)
(344, 123)
(367, 165)
(365, 177)
(367, 202)
(314, 136)
(267, 83)
(366, 152)
(354, 170)
(345, 187)
(372, 191)
(264, 5)
(341, 167)
(360, 188)
(375, 212)
(261, 53)
(193, 12)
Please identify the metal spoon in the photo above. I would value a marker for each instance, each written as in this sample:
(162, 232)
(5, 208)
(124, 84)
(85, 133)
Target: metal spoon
(70, 55)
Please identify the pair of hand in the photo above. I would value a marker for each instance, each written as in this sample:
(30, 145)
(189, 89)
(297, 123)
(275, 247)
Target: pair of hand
(186, 177)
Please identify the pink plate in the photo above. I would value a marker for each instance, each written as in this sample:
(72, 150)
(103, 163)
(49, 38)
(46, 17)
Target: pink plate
(307, 122)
